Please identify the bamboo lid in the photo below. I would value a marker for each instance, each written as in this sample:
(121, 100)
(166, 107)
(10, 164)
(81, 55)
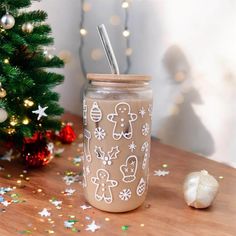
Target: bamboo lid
(118, 78)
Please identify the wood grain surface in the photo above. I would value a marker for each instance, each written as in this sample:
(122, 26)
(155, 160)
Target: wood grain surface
(163, 213)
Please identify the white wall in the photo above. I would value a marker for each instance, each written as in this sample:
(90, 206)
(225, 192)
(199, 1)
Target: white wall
(188, 46)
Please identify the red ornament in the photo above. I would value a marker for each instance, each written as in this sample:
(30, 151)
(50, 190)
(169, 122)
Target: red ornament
(35, 151)
(67, 134)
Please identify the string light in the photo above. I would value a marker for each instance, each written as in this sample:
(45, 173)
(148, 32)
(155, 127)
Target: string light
(25, 121)
(28, 103)
(126, 33)
(114, 20)
(125, 4)
(83, 31)
(6, 61)
(13, 121)
(10, 130)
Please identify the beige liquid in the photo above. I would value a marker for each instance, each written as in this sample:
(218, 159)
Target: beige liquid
(115, 171)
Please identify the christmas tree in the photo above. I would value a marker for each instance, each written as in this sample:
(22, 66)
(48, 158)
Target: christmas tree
(28, 106)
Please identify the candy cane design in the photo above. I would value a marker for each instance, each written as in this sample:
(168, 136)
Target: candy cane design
(145, 149)
(87, 136)
(85, 110)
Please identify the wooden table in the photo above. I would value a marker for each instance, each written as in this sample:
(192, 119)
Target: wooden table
(163, 213)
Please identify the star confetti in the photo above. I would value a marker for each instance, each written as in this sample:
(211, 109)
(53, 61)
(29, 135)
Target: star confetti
(59, 151)
(77, 160)
(50, 147)
(8, 156)
(69, 191)
(56, 203)
(44, 213)
(40, 112)
(92, 227)
(161, 172)
(6, 203)
(70, 179)
(69, 224)
(5, 190)
(84, 207)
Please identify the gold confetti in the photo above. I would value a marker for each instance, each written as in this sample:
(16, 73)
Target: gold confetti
(164, 165)
(50, 231)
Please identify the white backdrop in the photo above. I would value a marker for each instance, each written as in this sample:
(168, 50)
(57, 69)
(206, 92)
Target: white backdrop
(188, 47)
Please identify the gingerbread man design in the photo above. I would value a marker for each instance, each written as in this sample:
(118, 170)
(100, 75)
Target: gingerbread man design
(122, 119)
(104, 185)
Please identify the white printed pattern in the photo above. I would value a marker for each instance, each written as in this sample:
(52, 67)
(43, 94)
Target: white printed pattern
(95, 113)
(142, 112)
(145, 149)
(145, 129)
(85, 111)
(104, 185)
(129, 169)
(99, 133)
(122, 125)
(125, 194)
(132, 146)
(141, 187)
(150, 110)
(87, 136)
(106, 158)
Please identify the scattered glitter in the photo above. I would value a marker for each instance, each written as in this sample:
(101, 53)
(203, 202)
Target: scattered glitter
(92, 227)
(141, 225)
(25, 232)
(50, 231)
(44, 213)
(124, 227)
(164, 165)
(107, 219)
(161, 173)
(84, 207)
(221, 177)
(39, 190)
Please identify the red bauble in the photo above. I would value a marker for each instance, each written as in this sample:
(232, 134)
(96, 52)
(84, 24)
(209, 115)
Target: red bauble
(67, 134)
(35, 151)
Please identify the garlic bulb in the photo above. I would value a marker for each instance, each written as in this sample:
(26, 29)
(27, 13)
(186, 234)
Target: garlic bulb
(200, 189)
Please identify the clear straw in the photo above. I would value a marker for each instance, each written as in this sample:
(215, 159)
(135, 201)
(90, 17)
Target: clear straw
(108, 49)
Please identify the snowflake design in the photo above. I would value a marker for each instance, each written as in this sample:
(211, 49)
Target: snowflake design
(132, 147)
(125, 194)
(142, 112)
(145, 129)
(99, 133)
